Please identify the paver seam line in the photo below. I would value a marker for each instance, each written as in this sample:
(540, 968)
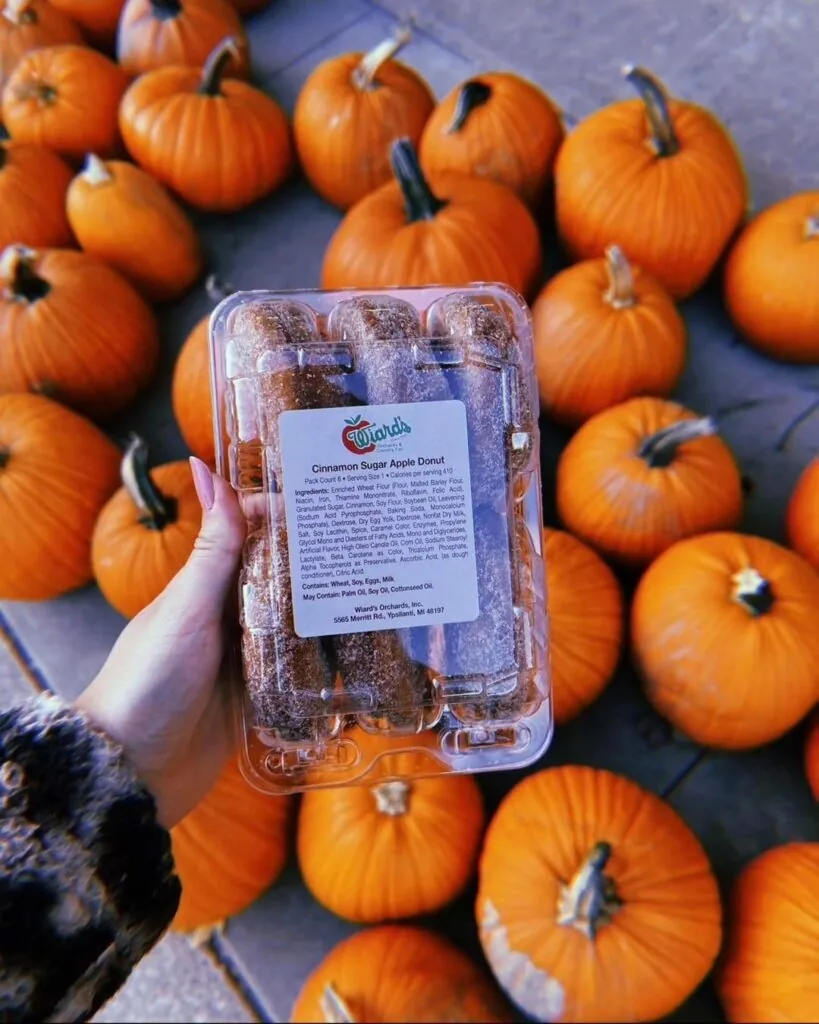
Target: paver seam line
(321, 42)
(214, 947)
(17, 649)
(697, 759)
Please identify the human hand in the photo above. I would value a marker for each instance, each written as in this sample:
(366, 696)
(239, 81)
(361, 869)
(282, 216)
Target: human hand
(159, 694)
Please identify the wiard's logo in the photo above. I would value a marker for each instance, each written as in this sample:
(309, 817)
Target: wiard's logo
(361, 437)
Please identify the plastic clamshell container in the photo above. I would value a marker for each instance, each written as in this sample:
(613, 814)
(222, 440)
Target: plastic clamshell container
(392, 596)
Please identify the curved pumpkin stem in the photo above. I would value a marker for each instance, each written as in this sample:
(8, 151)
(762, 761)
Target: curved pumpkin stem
(334, 1009)
(96, 171)
(811, 229)
(620, 292)
(164, 10)
(473, 94)
(420, 202)
(660, 449)
(752, 591)
(155, 510)
(392, 798)
(5, 455)
(216, 289)
(5, 135)
(590, 899)
(19, 12)
(663, 136)
(19, 280)
(364, 72)
(215, 66)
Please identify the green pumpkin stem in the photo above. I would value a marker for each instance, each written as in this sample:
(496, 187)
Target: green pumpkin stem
(589, 900)
(660, 449)
(652, 93)
(164, 10)
(420, 202)
(367, 68)
(811, 229)
(334, 1009)
(620, 292)
(20, 282)
(473, 94)
(216, 65)
(752, 591)
(155, 510)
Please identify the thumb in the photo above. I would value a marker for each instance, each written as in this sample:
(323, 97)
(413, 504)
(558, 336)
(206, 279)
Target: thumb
(202, 585)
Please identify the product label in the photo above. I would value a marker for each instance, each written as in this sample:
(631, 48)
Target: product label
(379, 517)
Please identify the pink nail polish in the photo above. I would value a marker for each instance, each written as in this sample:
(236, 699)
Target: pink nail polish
(203, 482)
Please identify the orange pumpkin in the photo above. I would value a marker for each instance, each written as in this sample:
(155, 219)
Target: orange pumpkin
(124, 216)
(722, 632)
(33, 186)
(73, 328)
(27, 25)
(768, 971)
(404, 232)
(228, 851)
(190, 393)
(240, 136)
(498, 126)
(812, 755)
(398, 973)
(605, 332)
(769, 275)
(97, 18)
(146, 532)
(660, 177)
(595, 900)
(65, 98)
(639, 476)
(411, 843)
(349, 111)
(802, 515)
(57, 470)
(158, 33)
(585, 623)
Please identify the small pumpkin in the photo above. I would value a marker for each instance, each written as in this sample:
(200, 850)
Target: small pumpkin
(73, 328)
(190, 393)
(27, 25)
(768, 970)
(240, 136)
(159, 33)
(498, 126)
(97, 18)
(605, 332)
(349, 111)
(124, 216)
(812, 755)
(658, 176)
(411, 844)
(146, 532)
(722, 633)
(802, 515)
(595, 900)
(229, 850)
(585, 623)
(65, 98)
(57, 470)
(33, 186)
(639, 476)
(769, 280)
(404, 232)
(398, 973)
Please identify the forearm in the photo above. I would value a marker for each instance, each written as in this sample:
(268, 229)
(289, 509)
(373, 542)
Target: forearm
(86, 877)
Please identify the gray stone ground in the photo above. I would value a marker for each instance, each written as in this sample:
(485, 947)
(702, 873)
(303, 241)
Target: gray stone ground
(751, 61)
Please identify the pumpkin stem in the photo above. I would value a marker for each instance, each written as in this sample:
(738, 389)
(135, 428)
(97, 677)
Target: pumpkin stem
(95, 171)
(20, 282)
(166, 9)
(19, 12)
(5, 135)
(367, 68)
(333, 1007)
(590, 899)
(217, 289)
(620, 292)
(392, 798)
(5, 455)
(811, 227)
(652, 93)
(473, 94)
(419, 201)
(155, 510)
(752, 591)
(660, 449)
(215, 66)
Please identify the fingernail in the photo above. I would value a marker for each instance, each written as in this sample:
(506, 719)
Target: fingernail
(203, 482)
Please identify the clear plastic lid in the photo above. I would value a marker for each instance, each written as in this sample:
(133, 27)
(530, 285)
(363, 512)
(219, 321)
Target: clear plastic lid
(385, 449)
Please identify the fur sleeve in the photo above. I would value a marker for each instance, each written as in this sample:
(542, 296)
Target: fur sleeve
(86, 876)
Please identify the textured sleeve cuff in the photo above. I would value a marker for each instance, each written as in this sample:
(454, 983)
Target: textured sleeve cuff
(87, 884)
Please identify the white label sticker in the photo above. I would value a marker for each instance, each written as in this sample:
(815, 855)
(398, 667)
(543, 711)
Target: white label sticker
(379, 517)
